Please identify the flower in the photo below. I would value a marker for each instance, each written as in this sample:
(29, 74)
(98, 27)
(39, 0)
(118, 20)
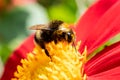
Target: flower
(64, 63)
(99, 24)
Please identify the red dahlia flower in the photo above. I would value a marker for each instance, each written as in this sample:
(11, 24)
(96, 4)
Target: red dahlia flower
(100, 23)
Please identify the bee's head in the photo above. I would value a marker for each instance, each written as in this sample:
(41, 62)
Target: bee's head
(64, 33)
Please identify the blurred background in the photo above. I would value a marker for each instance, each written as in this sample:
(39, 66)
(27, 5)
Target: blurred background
(17, 15)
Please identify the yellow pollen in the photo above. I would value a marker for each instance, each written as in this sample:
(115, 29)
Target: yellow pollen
(65, 63)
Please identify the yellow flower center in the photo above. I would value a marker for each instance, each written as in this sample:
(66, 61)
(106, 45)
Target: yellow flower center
(65, 63)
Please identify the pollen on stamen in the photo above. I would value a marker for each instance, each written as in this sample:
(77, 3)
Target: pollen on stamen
(64, 64)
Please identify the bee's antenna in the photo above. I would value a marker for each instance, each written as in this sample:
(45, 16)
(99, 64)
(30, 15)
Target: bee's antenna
(75, 46)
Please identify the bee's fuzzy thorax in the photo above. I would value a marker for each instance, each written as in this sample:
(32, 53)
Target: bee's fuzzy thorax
(55, 24)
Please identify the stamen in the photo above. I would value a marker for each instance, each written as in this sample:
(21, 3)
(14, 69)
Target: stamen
(66, 64)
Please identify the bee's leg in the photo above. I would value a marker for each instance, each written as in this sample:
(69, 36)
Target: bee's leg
(47, 53)
(42, 44)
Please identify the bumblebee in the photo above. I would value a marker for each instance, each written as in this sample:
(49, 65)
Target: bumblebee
(54, 31)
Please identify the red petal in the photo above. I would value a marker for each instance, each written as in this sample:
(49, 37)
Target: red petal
(100, 23)
(113, 74)
(105, 60)
(17, 55)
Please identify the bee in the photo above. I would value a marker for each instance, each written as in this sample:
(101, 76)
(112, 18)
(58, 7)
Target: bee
(55, 31)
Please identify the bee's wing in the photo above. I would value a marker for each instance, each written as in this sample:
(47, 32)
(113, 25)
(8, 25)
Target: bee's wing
(39, 27)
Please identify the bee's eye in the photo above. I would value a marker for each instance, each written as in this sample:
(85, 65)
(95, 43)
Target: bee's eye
(68, 33)
(69, 37)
